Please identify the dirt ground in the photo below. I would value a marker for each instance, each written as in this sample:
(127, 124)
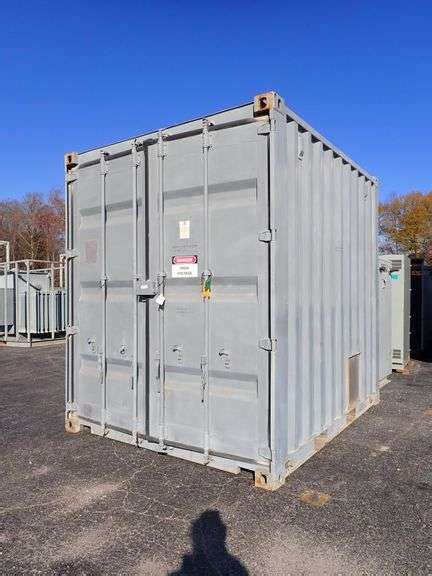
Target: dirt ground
(80, 504)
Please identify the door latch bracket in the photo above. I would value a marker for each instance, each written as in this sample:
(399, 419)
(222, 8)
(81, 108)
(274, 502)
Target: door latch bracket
(268, 344)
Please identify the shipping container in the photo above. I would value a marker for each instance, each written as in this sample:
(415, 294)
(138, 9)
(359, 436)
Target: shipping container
(222, 290)
(401, 308)
(384, 321)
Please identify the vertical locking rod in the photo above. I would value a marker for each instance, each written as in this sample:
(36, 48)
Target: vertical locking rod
(135, 164)
(161, 289)
(103, 282)
(206, 295)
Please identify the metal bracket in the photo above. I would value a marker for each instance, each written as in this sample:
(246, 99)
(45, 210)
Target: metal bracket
(136, 161)
(266, 236)
(300, 149)
(103, 165)
(161, 149)
(264, 129)
(71, 254)
(268, 344)
(147, 288)
(71, 177)
(265, 452)
(71, 330)
(71, 406)
(206, 140)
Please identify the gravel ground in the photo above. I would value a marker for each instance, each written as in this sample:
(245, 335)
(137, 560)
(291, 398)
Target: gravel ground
(80, 504)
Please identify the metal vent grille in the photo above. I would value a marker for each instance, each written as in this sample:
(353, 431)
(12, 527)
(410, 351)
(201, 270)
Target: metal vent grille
(396, 264)
(397, 354)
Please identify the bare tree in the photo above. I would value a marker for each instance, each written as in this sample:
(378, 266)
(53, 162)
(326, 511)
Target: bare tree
(34, 226)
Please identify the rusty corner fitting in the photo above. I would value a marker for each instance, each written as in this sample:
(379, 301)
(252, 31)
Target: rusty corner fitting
(72, 423)
(267, 101)
(70, 160)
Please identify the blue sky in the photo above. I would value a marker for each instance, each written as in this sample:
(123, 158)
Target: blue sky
(76, 75)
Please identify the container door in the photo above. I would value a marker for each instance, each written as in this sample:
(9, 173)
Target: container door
(210, 397)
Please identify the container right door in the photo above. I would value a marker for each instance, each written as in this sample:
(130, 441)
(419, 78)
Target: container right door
(225, 413)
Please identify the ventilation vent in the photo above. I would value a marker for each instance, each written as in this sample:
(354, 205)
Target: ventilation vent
(396, 264)
(353, 380)
(397, 354)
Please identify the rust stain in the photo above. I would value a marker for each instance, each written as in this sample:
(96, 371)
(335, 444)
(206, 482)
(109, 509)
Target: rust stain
(314, 498)
(428, 412)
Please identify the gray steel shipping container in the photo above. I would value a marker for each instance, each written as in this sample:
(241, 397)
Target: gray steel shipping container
(222, 290)
(384, 321)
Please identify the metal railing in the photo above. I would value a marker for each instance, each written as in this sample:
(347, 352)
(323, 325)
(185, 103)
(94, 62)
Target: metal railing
(35, 303)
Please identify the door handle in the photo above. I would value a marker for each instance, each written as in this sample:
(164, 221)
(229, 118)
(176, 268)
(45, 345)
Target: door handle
(224, 353)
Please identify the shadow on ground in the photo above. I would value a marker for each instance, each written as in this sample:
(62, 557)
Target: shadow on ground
(209, 554)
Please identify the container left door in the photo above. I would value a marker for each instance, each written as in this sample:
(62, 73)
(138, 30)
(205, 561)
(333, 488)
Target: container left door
(106, 390)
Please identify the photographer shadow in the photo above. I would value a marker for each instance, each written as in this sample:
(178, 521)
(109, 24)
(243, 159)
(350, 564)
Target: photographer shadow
(209, 554)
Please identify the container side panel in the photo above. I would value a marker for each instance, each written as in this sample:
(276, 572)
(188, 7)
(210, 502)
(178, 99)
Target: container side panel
(331, 290)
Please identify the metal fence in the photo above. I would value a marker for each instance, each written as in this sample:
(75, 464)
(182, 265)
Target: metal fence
(32, 300)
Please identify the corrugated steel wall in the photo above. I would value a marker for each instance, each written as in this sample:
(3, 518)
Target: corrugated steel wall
(331, 285)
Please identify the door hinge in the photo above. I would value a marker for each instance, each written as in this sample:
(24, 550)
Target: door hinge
(268, 344)
(71, 330)
(266, 236)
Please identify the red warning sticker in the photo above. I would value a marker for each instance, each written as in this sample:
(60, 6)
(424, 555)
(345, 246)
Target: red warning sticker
(184, 266)
(185, 259)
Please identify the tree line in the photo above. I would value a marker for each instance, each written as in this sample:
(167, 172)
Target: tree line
(405, 225)
(34, 226)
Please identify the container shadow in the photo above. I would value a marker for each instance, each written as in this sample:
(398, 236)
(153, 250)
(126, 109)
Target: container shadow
(209, 554)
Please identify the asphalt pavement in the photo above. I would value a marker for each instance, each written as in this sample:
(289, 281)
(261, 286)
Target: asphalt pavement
(81, 504)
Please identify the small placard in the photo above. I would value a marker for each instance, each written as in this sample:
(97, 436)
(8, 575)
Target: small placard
(184, 266)
(184, 229)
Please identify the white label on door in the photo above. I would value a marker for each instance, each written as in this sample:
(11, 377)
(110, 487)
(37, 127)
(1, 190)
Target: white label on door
(184, 266)
(184, 229)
